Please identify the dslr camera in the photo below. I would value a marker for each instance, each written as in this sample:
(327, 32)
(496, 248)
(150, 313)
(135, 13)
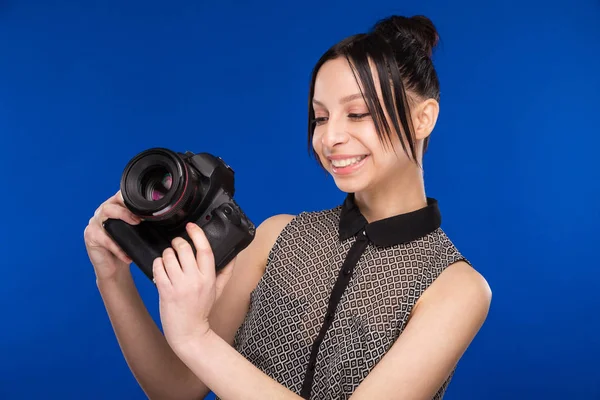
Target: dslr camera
(168, 189)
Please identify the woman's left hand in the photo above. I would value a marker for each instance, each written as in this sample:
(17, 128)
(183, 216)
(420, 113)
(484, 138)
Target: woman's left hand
(188, 287)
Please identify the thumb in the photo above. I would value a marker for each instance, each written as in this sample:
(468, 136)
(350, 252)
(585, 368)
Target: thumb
(223, 277)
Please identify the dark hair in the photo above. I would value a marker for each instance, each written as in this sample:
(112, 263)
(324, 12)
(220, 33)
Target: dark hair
(400, 48)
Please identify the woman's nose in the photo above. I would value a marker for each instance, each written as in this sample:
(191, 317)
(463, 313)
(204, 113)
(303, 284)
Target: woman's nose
(334, 134)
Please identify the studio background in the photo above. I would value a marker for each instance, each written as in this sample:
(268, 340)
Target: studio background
(513, 161)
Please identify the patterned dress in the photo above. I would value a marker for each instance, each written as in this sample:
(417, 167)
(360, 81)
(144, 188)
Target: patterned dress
(337, 292)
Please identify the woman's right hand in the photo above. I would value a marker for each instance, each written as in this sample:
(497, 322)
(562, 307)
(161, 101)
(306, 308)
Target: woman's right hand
(106, 256)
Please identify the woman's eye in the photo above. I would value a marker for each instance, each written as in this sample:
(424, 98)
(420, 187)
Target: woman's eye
(319, 120)
(358, 116)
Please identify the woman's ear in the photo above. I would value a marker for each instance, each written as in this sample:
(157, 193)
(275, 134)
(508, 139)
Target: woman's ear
(425, 117)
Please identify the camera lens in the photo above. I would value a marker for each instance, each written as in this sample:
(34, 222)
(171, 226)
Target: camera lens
(159, 185)
(156, 183)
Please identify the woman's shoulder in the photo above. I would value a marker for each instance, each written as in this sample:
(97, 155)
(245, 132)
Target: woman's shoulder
(272, 227)
(275, 224)
(455, 275)
(445, 250)
(464, 285)
(326, 216)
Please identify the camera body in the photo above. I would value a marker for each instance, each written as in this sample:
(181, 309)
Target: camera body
(167, 190)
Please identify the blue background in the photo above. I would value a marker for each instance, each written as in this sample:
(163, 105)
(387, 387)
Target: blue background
(84, 86)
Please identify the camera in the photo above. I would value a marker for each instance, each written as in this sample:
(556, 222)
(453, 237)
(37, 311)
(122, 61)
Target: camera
(168, 189)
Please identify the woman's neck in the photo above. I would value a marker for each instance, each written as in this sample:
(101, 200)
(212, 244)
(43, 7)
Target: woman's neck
(404, 194)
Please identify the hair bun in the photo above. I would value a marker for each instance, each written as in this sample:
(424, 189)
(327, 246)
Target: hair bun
(418, 27)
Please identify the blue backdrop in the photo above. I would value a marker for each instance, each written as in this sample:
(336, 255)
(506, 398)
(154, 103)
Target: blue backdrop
(513, 161)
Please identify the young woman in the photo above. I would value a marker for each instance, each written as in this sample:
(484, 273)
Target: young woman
(368, 300)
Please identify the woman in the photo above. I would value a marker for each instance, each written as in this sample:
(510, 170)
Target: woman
(367, 300)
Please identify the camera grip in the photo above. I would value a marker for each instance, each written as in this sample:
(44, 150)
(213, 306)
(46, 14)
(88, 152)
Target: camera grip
(225, 234)
(138, 243)
(228, 232)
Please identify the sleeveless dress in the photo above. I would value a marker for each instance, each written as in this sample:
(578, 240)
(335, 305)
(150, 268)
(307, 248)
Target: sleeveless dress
(337, 292)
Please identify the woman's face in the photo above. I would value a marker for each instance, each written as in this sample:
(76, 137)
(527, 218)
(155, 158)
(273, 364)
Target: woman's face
(345, 137)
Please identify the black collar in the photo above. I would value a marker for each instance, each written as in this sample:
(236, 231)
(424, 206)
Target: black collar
(390, 231)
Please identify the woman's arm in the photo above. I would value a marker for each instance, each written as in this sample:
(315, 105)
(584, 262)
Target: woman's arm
(157, 369)
(443, 324)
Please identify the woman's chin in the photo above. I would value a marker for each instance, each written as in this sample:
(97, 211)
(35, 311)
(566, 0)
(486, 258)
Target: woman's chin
(349, 185)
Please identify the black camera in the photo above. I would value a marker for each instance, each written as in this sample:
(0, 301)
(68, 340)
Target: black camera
(167, 190)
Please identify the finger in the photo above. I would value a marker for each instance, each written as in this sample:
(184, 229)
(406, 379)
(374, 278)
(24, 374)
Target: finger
(115, 211)
(205, 258)
(119, 197)
(114, 248)
(172, 267)
(97, 237)
(185, 255)
(116, 198)
(223, 277)
(161, 279)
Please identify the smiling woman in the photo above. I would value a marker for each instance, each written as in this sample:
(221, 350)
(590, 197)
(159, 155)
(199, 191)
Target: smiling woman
(367, 300)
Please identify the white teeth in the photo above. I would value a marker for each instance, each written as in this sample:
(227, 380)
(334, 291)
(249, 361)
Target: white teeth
(346, 162)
